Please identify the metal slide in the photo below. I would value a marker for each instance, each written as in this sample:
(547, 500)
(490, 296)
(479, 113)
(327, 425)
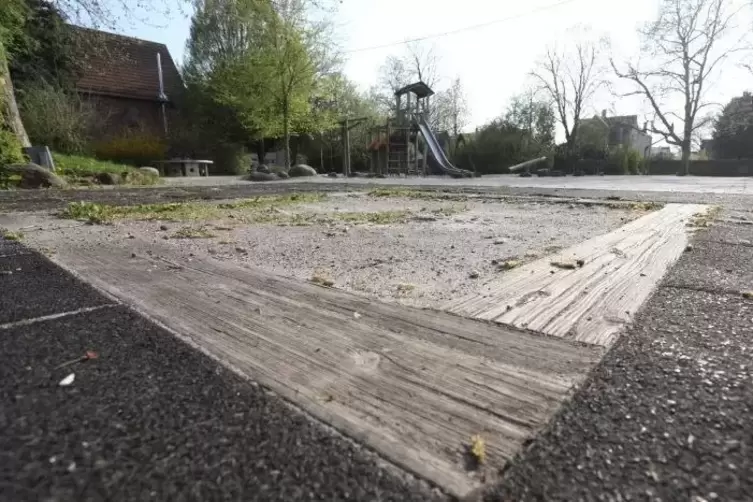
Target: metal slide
(437, 157)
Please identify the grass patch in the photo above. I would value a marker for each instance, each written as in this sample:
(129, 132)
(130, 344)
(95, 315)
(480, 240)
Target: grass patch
(449, 210)
(404, 288)
(257, 210)
(193, 233)
(81, 170)
(376, 218)
(407, 193)
(12, 236)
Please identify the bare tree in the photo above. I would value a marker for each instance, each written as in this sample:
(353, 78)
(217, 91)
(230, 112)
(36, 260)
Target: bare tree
(570, 77)
(451, 109)
(418, 62)
(423, 63)
(682, 49)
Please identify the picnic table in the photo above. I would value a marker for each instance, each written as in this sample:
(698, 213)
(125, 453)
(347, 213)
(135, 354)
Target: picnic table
(185, 167)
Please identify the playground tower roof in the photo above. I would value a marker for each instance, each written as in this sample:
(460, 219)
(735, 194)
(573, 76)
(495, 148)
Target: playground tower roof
(420, 89)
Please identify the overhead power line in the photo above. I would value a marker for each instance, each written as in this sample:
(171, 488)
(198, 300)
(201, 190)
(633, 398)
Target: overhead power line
(465, 28)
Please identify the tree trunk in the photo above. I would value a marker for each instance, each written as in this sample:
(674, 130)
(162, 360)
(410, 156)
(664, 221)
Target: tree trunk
(685, 169)
(8, 105)
(286, 131)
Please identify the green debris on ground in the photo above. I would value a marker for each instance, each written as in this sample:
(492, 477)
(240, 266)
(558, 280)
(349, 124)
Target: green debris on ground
(704, 219)
(269, 209)
(321, 280)
(376, 218)
(193, 233)
(508, 264)
(408, 193)
(12, 236)
(263, 209)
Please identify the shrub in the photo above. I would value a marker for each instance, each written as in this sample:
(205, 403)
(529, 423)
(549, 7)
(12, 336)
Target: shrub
(10, 148)
(56, 118)
(634, 161)
(138, 149)
(617, 161)
(10, 153)
(231, 159)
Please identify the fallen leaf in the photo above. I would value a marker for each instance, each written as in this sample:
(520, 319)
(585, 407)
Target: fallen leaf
(478, 449)
(65, 382)
(509, 264)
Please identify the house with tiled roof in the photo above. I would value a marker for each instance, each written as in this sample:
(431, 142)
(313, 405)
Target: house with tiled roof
(121, 76)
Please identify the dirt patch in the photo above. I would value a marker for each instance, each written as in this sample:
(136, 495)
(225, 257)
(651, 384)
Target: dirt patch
(411, 248)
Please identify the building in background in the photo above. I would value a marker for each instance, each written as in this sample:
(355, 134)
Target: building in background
(120, 76)
(620, 130)
(662, 152)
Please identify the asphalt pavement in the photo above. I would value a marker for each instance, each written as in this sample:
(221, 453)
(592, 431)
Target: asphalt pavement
(149, 418)
(666, 416)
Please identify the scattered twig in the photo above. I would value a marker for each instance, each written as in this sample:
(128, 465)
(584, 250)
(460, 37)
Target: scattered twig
(89, 354)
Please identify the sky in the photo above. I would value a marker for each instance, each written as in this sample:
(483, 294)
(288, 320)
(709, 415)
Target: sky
(494, 46)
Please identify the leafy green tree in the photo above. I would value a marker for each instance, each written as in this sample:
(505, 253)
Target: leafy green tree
(43, 50)
(535, 116)
(733, 129)
(225, 38)
(497, 146)
(337, 98)
(263, 61)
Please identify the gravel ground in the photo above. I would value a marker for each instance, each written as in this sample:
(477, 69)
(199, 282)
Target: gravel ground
(666, 415)
(35, 200)
(445, 248)
(152, 419)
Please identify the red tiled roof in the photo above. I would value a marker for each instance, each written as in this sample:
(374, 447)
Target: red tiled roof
(116, 65)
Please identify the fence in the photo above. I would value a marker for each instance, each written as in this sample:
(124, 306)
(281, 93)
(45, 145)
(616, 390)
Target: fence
(731, 167)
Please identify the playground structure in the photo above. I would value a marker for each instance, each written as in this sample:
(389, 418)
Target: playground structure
(406, 145)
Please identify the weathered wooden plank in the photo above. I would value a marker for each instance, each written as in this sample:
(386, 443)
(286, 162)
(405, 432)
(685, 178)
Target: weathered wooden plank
(592, 303)
(413, 384)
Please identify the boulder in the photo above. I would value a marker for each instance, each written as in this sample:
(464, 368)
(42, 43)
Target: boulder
(332, 175)
(150, 170)
(34, 176)
(257, 176)
(283, 175)
(262, 168)
(301, 170)
(107, 178)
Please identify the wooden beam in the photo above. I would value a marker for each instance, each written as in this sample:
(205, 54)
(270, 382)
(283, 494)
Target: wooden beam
(594, 302)
(415, 385)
